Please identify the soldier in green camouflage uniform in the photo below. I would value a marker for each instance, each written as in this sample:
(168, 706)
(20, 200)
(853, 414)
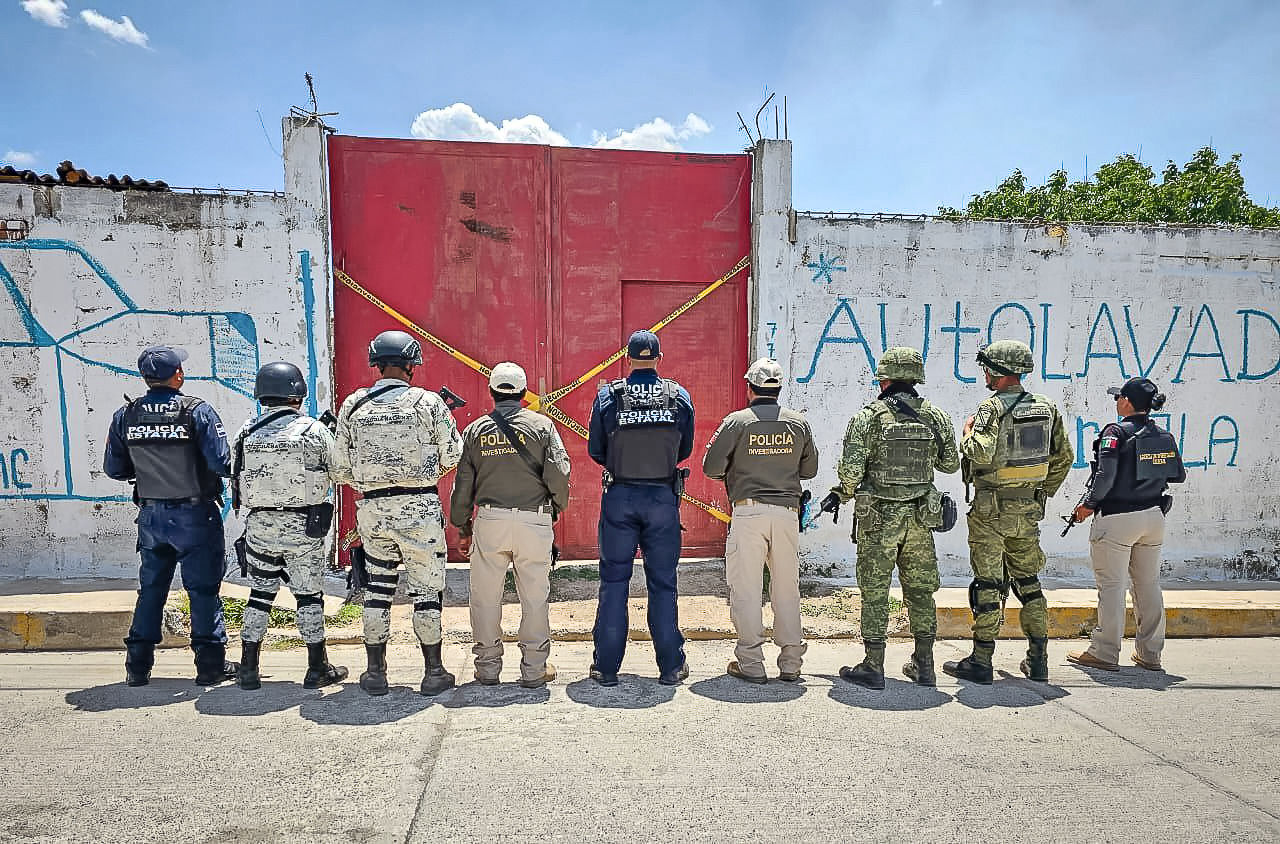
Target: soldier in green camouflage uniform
(1017, 455)
(891, 450)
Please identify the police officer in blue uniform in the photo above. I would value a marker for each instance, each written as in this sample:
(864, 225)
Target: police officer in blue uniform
(173, 448)
(641, 430)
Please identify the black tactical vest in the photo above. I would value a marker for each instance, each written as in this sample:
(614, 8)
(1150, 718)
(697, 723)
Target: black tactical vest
(1148, 459)
(645, 444)
(161, 438)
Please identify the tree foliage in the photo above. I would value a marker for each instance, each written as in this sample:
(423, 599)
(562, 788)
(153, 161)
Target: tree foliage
(1204, 192)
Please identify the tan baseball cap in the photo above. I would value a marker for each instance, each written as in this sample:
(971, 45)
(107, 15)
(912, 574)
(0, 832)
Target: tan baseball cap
(508, 377)
(765, 372)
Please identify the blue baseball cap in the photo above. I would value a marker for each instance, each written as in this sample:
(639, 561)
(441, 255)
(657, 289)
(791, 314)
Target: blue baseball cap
(159, 363)
(643, 345)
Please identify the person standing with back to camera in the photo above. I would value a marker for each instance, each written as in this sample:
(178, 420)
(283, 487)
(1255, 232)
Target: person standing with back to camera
(1135, 460)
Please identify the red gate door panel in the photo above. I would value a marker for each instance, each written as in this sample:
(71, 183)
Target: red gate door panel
(548, 257)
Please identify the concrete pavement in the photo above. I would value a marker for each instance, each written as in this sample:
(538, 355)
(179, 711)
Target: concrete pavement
(1189, 755)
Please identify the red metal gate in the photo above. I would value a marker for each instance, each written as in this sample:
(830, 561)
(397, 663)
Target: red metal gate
(549, 257)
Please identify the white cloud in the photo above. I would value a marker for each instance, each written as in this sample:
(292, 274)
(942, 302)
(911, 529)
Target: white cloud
(122, 30)
(656, 134)
(459, 122)
(18, 158)
(49, 12)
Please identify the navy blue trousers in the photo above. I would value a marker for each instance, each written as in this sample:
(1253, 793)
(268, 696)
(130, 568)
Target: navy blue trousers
(647, 517)
(169, 535)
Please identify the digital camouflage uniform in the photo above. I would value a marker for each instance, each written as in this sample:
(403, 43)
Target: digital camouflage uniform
(405, 437)
(887, 467)
(1017, 455)
(286, 467)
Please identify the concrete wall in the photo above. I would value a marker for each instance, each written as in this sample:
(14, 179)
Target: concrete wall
(236, 280)
(1195, 309)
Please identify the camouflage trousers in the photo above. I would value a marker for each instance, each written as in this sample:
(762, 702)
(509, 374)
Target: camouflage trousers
(1004, 544)
(408, 531)
(891, 533)
(295, 558)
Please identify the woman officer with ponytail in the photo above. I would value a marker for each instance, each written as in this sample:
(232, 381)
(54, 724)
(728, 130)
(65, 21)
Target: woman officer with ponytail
(1135, 460)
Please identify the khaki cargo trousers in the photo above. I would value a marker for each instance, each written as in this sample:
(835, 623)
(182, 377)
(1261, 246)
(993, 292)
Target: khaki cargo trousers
(759, 535)
(1126, 546)
(503, 539)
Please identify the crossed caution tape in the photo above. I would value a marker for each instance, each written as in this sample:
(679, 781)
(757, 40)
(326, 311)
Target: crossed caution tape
(546, 404)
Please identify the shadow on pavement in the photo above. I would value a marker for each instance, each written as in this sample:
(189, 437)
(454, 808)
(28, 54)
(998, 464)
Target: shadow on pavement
(160, 692)
(732, 690)
(274, 696)
(1009, 690)
(352, 706)
(632, 692)
(1131, 678)
(897, 695)
(503, 694)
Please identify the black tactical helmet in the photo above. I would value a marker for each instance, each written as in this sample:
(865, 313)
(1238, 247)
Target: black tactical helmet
(396, 348)
(280, 380)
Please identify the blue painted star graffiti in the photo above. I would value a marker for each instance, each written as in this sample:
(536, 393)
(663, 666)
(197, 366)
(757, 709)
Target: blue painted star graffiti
(824, 267)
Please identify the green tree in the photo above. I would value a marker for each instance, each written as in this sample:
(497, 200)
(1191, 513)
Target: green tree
(1205, 191)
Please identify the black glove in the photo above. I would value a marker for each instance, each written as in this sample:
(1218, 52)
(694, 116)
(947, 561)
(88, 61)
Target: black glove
(831, 504)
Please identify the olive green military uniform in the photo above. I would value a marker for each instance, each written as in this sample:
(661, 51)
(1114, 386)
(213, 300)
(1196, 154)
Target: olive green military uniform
(762, 453)
(514, 510)
(891, 450)
(1017, 455)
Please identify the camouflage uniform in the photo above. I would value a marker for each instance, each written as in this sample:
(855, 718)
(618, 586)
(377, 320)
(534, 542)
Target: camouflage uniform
(1017, 455)
(286, 467)
(405, 437)
(887, 468)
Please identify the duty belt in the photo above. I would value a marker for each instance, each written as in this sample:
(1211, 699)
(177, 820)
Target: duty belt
(302, 509)
(387, 492)
(1003, 494)
(196, 500)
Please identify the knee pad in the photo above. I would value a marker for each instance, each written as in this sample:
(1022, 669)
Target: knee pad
(976, 602)
(1027, 589)
(310, 601)
(429, 604)
(261, 599)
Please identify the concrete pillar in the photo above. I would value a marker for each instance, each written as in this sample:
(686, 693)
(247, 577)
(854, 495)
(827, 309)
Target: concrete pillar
(771, 246)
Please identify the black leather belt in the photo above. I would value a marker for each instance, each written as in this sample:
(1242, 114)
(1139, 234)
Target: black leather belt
(387, 492)
(303, 509)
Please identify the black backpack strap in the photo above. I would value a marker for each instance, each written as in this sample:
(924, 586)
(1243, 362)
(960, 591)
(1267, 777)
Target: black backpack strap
(370, 396)
(238, 466)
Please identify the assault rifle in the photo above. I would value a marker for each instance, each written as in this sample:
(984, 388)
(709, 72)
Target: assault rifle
(830, 504)
(1070, 518)
(452, 400)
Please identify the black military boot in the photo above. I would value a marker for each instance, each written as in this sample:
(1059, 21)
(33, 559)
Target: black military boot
(374, 680)
(137, 665)
(1036, 665)
(247, 676)
(920, 668)
(870, 672)
(436, 679)
(976, 667)
(319, 671)
(212, 666)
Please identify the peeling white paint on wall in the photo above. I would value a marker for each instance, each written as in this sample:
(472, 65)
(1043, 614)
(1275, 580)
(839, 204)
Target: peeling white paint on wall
(1195, 309)
(236, 280)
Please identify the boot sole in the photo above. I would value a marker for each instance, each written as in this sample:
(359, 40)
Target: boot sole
(375, 691)
(959, 676)
(866, 684)
(431, 691)
(339, 676)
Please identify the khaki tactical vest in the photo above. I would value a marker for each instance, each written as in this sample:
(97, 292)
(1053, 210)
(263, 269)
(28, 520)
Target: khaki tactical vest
(903, 454)
(392, 445)
(275, 473)
(1022, 443)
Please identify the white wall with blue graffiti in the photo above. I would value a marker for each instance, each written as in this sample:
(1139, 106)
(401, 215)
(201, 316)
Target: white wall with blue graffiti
(236, 280)
(1195, 309)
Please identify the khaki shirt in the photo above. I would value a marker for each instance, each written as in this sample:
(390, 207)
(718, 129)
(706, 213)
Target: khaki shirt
(762, 452)
(491, 471)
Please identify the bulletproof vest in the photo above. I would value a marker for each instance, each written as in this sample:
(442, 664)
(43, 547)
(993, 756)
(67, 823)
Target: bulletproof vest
(161, 438)
(391, 443)
(1022, 443)
(1147, 460)
(903, 453)
(275, 472)
(646, 441)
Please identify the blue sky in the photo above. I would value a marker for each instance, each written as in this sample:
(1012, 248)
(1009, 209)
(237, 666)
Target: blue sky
(898, 106)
